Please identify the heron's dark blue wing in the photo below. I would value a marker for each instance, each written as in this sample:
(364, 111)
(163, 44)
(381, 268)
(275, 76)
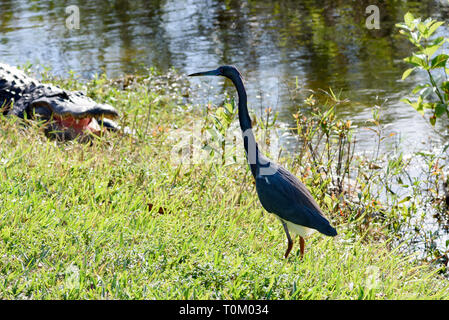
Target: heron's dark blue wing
(284, 195)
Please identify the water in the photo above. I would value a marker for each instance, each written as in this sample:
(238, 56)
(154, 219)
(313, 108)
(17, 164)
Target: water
(319, 44)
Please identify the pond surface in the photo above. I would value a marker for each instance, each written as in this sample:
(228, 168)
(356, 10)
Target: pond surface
(319, 44)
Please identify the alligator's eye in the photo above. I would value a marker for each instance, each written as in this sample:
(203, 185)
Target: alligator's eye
(40, 109)
(64, 95)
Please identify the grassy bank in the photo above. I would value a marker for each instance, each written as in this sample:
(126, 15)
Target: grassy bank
(117, 219)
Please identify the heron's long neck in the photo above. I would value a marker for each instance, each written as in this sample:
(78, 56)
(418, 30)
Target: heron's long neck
(249, 142)
(244, 119)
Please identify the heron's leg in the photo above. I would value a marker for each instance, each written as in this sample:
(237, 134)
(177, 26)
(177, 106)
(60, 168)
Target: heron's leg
(289, 239)
(301, 245)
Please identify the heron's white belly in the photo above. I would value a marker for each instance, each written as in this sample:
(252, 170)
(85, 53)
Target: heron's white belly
(297, 229)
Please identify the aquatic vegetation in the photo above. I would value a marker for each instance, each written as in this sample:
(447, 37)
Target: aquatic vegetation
(434, 94)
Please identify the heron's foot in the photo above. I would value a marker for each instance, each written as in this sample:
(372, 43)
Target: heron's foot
(301, 246)
(289, 248)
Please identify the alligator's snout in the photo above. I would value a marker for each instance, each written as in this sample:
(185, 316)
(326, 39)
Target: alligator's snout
(79, 126)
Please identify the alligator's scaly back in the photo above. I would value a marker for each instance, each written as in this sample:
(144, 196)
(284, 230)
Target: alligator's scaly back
(14, 83)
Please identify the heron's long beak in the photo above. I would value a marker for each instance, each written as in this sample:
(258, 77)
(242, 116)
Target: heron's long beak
(206, 73)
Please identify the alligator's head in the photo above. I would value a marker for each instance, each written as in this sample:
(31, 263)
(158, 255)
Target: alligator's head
(72, 114)
(68, 114)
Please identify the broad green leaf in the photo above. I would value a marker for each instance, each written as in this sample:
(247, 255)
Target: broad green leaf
(433, 27)
(419, 108)
(430, 50)
(420, 87)
(407, 73)
(428, 22)
(407, 101)
(440, 109)
(422, 28)
(402, 26)
(439, 40)
(416, 105)
(417, 60)
(439, 61)
(428, 105)
(445, 86)
(420, 100)
(408, 19)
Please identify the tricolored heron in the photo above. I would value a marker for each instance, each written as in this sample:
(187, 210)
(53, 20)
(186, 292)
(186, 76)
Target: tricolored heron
(280, 192)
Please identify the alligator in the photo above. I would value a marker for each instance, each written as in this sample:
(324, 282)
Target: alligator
(67, 114)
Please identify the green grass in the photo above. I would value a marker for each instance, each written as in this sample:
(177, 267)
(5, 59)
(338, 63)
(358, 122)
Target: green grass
(75, 222)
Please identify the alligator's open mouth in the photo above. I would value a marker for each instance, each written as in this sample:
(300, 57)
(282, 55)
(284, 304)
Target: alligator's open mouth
(68, 127)
(80, 126)
(74, 116)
